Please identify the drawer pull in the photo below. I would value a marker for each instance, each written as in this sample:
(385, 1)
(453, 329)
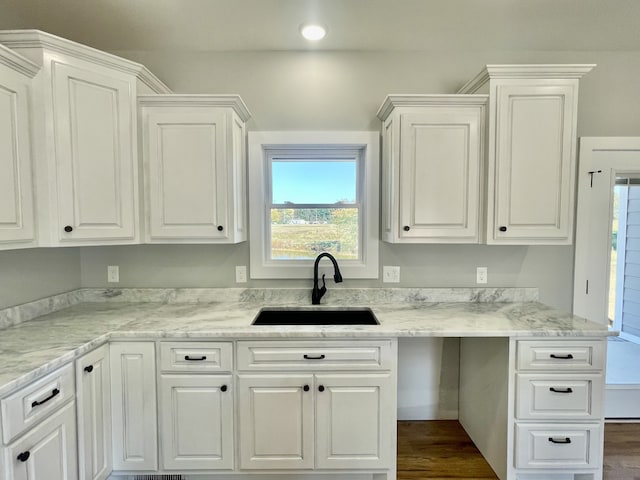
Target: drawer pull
(223, 388)
(561, 390)
(311, 357)
(562, 357)
(306, 388)
(24, 456)
(54, 392)
(88, 368)
(321, 388)
(193, 359)
(564, 441)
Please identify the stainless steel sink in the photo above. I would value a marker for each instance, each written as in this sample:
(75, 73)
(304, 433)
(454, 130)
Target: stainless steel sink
(315, 316)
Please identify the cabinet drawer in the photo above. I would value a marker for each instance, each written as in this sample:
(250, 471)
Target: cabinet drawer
(561, 354)
(314, 355)
(37, 401)
(196, 356)
(568, 396)
(557, 446)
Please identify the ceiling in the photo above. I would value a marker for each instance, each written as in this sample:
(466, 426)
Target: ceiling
(368, 25)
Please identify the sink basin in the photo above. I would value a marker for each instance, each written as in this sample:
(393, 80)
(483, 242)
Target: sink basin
(315, 316)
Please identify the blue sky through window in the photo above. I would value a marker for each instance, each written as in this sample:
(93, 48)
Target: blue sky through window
(311, 181)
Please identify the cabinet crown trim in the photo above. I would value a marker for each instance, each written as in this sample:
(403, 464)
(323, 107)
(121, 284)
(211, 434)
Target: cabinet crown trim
(37, 39)
(17, 62)
(524, 71)
(420, 100)
(195, 101)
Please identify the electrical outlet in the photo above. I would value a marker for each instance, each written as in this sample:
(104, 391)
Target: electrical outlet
(481, 275)
(113, 274)
(390, 274)
(241, 274)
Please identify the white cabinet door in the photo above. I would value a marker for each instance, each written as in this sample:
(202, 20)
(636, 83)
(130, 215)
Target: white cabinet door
(94, 414)
(354, 427)
(532, 170)
(48, 451)
(16, 190)
(195, 168)
(276, 421)
(432, 166)
(196, 422)
(133, 402)
(94, 118)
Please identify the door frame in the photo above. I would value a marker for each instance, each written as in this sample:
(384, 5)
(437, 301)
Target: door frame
(592, 249)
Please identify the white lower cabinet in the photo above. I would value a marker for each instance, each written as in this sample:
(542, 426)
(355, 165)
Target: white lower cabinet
(133, 404)
(196, 406)
(94, 414)
(47, 451)
(324, 418)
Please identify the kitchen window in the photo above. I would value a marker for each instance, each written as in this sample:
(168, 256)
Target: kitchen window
(313, 192)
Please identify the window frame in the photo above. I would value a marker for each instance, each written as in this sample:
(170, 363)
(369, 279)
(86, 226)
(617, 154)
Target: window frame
(262, 147)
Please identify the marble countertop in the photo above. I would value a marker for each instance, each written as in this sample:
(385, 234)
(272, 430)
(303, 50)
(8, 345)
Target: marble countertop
(32, 348)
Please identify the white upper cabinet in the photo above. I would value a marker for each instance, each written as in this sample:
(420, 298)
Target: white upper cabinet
(432, 165)
(193, 147)
(85, 140)
(17, 229)
(531, 151)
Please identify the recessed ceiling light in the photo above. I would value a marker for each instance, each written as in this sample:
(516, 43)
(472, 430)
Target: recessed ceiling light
(313, 32)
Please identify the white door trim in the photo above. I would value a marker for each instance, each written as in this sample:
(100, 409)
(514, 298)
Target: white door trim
(592, 251)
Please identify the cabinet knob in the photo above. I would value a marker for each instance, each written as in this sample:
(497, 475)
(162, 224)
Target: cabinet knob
(88, 368)
(503, 229)
(68, 228)
(223, 388)
(24, 456)
(306, 388)
(220, 228)
(406, 228)
(321, 388)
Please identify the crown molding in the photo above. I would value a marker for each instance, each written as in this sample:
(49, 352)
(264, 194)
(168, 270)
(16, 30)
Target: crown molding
(401, 100)
(17, 62)
(36, 39)
(198, 100)
(523, 71)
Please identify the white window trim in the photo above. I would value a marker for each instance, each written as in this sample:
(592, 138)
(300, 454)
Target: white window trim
(260, 144)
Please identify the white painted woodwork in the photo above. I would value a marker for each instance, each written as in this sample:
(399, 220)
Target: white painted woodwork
(325, 355)
(276, 421)
(509, 412)
(193, 148)
(354, 426)
(554, 355)
(93, 381)
(52, 449)
(196, 422)
(95, 156)
(17, 222)
(607, 157)
(531, 167)
(133, 404)
(30, 405)
(84, 139)
(536, 449)
(563, 396)
(486, 400)
(196, 357)
(432, 166)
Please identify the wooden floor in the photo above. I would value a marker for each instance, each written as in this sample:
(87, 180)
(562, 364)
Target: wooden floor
(442, 450)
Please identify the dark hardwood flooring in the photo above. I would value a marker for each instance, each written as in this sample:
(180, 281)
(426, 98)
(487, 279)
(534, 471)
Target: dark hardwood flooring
(440, 449)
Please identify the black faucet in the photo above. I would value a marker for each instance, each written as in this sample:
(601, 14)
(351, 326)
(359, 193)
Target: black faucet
(317, 293)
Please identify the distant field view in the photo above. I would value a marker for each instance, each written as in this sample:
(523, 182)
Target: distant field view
(305, 233)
